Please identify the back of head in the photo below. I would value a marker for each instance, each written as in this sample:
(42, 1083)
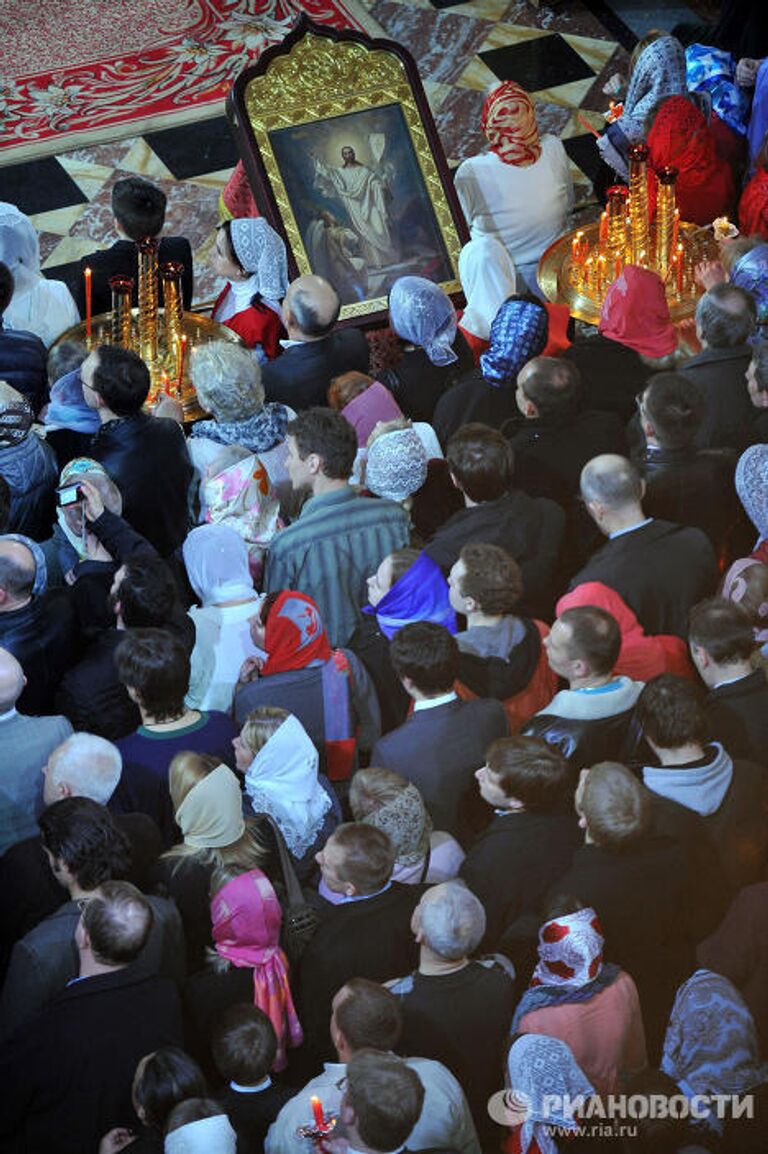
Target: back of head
(147, 593)
(427, 654)
(243, 1044)
(553, 384)
(611, 481)
(491, 578)
(346, 387)
(532, 771)
(760, 365)
(64, 358)
(746, 585)
(117, 920)
(481, 461)
(83, 835)
(372, 788)
(387, 1097)
(314, 305)
(675, 407)
(614, 805)
(6, 287)
(723, 629)
(121, 379)
(671, 712)
(139, 207)
(368, 1015)
(726, 316)
(11, 680)
(198, 1125)
(186, 771)
(368, 856)
(163, 1079)
(451, 920)
(90, 765)
(328, 435)
(17, 572)
(595, 637)
(156, 665)
(227, 380)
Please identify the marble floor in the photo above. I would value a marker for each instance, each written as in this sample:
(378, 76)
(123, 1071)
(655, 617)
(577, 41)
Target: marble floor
(564, 55)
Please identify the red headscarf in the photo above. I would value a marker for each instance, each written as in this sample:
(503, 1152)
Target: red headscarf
(509, 123)
(680, 137)
(295, 634)
(753, 206)
(635, 313)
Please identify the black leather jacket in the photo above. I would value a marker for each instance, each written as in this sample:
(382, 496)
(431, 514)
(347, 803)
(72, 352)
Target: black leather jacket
(42, 636)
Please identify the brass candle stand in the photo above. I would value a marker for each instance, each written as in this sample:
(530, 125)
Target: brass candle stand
(579, 267)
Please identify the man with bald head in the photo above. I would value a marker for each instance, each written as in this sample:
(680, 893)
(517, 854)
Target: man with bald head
(25, 745)
(314, 351)
(39, 630)
(660, 569)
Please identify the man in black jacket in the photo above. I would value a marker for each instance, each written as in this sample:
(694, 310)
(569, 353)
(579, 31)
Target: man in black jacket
(314, 353)
(660, 569)
(145, 456)
(22, 354)
(138, 207)
(722, 642)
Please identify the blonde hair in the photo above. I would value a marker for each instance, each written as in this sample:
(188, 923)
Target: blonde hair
(384, 427)
(262, 724)
(188, 769)
(372, 788)
(643, 43)
(346, 387)
(227, 380)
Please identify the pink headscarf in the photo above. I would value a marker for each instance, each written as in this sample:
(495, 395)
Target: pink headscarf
(364, 412)
(635, 313)
(246, 917)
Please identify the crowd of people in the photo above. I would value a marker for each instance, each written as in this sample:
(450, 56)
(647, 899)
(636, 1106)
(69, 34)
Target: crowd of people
(384, 758)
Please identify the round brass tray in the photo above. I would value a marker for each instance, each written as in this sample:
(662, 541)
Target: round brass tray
(199, 330)
(555, 266)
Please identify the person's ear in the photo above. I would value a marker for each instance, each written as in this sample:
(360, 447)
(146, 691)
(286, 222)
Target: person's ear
(314, 463)
(347, 1114)
(470, 605)
(456, 484)
(760, 399)
(64, 789)
(647, 427)
(700, 656)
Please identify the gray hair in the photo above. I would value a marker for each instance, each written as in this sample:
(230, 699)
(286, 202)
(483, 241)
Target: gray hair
(612, 481)
(726, 316)
(90, 765)
(227, 380)
(452, 920)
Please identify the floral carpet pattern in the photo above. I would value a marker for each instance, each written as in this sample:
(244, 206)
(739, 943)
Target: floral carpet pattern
(176, 62)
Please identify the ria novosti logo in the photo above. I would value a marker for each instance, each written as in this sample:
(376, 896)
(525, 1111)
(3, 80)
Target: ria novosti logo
(513, 1108)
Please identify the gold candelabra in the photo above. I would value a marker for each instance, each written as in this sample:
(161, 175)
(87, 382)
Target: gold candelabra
(638, 203)
(665, 236)
(148, 299)
(173, 309)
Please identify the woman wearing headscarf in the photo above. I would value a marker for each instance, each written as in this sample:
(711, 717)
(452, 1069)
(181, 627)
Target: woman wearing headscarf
(434, 352)
(488, 394)
(208, 809)
(280, 764)
(659, 71)
(589, 1004)
(545, 1075)
(327, 689)
(28, 466)
(38, 305)
(520, 191)
(749, 271)
(751, 482)
(407, 586)
(753, 205)
(635, 338)
(681, 138)
(251, 256)
(248, 964)
(216, 560)
(363, 402)
(642, 655)
(228, 385)
(710, 1047)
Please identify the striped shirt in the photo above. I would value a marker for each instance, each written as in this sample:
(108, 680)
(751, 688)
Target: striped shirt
(336, 543)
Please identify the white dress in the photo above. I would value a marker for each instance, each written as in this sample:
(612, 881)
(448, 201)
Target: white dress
(47, 310)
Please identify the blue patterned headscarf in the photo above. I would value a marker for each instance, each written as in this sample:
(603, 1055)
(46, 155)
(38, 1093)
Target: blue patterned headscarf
(421, 313)
(421, 594)
(519, 331)
(750, 272)
(713, 70)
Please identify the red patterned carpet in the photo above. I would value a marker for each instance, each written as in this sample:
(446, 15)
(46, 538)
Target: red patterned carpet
(82, 70)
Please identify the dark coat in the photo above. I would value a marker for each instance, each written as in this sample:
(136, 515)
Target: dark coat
(417, 385)
(473, 399)
(300, 376)
(730, 415)
(529, 528)
(738, 716)
(42, 636)
(439, 749)
(513, 863)
(584, 740)
(147, 459)
(251, 1115)
(22, 365)
(612, 374)
(67, 1075)
(371, 938)
(661, 570)
(122, 258)
(692, 487)
(30, 471)
(92, 696)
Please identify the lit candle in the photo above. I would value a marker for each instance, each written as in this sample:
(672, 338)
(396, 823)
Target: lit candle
(617, 269)
(675, 227)
(679, 256)
(165, 383)
(88, 276)
(182, 357)
(588, 274)
(603, 228)
(600, 272)
(317, 1111)
(577, 247)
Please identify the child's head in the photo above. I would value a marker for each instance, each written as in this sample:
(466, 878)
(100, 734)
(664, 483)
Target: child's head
(243, 1045)
(138, 207)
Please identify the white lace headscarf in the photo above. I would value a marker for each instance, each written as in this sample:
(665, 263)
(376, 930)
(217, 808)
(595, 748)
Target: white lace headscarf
(752, 486)
(421, 313)
(541, 1068)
